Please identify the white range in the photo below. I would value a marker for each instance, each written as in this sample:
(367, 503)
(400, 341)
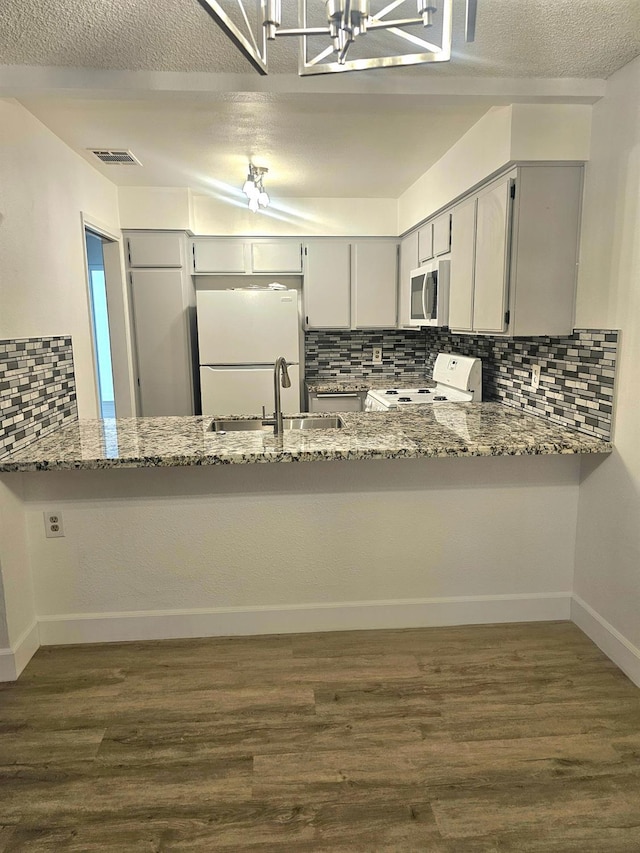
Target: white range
(458, 379)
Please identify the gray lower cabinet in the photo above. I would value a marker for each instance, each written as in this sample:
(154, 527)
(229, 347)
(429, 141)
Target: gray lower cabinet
(336, 401)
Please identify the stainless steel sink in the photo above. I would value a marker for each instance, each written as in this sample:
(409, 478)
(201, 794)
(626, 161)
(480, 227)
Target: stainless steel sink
(254, 424)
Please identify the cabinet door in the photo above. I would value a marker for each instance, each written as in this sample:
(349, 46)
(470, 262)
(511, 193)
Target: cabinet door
(218, 256)
(442, 234)
(408, 262)
(375, 285)
(160, 249)
(462, 266)
(492, 231)
(425, 242)
(327, 285)
(161, 323)
(278, 257)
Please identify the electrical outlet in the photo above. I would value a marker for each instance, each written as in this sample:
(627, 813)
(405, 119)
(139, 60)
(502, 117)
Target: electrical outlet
(53, 526)
(377, 355)
(535, 376)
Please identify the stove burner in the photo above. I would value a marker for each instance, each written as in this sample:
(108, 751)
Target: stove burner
(404, 399)
(391, 392)
(424, 390)
(440, 397)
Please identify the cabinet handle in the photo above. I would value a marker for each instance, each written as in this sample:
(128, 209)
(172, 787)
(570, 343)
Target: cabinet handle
(340, 394)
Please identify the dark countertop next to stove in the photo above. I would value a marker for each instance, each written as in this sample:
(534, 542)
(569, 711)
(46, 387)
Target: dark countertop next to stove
(435, 430)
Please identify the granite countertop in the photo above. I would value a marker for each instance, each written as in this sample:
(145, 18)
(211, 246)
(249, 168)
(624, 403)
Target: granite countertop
(435, 430)
(336, 385)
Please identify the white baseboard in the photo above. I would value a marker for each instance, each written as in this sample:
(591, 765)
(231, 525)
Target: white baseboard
(14, 659)
(347, 616)
(615, 646)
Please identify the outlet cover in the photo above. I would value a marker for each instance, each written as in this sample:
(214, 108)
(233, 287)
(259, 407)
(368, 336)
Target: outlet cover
(377, 355)
(53, 526)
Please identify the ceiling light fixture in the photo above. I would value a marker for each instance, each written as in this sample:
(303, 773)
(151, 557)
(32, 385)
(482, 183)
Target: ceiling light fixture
(346, 23)
(254, 189)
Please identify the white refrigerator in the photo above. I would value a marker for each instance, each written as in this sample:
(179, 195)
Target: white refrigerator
(241, 333)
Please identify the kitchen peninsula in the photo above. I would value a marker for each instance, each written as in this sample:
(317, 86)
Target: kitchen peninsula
(437, 430)
(168, 531)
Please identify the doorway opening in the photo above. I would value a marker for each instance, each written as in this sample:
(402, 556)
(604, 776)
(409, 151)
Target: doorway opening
(100, 323)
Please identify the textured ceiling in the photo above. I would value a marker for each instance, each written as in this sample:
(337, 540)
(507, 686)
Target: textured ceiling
(372, 145)
(355, 146)
(515, 38)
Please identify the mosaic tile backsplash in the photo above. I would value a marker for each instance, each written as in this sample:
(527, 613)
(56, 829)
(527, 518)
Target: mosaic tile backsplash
(577, 371)
(37, 389)
(349, 353)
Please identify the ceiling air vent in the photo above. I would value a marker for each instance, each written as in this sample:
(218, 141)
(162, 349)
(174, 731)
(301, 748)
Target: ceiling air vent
(115, 156)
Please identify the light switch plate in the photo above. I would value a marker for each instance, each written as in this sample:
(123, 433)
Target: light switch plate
(535, 376)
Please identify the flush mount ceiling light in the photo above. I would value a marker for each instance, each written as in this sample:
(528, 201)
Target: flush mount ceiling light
(253, 188)
(344, 24)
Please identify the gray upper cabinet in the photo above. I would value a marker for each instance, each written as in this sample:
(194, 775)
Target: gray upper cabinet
(514, 254)
(279, 256)
(212, 255)
(478, 288)
(492, 234)
(375, 277)
(425, 243)
(155, 249)
(327, 284)
(350, 285)
(217, 255)
(442, 234)
(461, 281)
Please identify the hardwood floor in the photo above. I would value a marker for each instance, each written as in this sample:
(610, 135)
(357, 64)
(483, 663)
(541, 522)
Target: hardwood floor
(452, 740)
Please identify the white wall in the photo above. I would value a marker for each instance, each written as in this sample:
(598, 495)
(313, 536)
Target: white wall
(541, 132)
(331, 217)
(164, 208)
(288, 536)
(45, 187)
(608, 544)
(176, 208)
(504, 135)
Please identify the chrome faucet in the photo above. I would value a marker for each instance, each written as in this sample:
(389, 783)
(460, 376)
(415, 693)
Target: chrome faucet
(280, 375)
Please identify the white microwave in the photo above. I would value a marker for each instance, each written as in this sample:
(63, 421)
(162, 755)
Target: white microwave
(429, 295)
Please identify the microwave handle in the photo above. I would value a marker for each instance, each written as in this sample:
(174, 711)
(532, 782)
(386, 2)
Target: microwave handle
(425, 310)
